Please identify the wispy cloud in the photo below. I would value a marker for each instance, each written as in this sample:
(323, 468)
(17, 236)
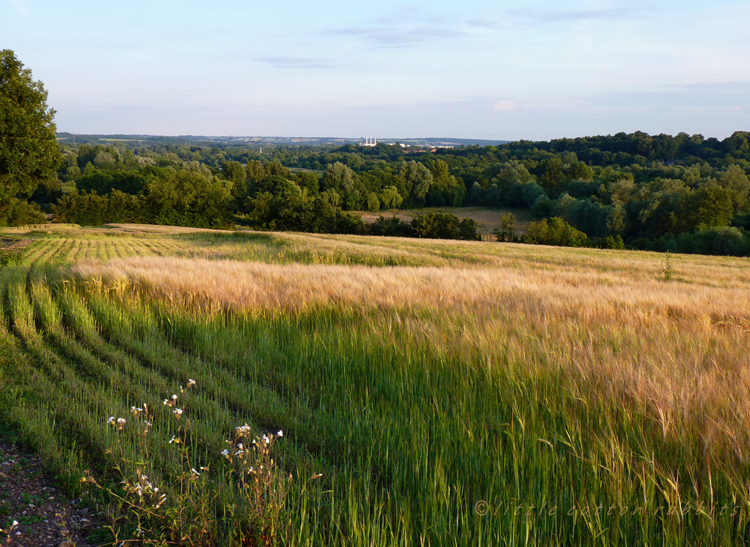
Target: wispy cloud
(296, 62)
(488, 24)
(397, 37)
(529, 16)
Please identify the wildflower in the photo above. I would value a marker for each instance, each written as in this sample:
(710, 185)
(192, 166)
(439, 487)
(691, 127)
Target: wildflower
(111, 420)
(174, 397)
(167, 402)
(15, 523)
(225, 453)
(177, 412)
(121, 421)
(162, 499)
(242, 430)
(190, 383)
(280, 433)
(174, 439)
(266, 439)
(195, 472)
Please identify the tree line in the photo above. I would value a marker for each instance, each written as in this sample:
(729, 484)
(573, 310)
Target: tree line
(659, 206)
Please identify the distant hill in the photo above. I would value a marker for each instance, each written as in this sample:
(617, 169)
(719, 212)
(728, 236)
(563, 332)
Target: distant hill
(271, 141)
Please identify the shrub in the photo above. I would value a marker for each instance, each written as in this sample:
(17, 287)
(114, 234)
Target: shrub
(555, 232)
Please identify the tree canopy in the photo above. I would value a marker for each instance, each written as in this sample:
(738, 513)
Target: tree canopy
(29, 153)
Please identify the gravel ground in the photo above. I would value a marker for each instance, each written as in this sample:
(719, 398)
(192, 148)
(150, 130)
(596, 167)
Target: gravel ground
(45, 517)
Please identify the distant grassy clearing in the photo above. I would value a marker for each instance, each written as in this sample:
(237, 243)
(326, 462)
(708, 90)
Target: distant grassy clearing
(487, 218)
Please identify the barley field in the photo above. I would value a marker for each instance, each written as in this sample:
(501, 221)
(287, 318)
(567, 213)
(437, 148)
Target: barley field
(400, 392)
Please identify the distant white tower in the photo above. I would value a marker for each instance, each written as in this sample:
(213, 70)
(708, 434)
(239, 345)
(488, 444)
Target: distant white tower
(370, 141)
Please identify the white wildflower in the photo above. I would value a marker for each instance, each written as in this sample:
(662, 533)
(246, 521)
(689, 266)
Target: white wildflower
(177, 412)
(191, 382)
(242, 430)
(280, 433)
(111, 420)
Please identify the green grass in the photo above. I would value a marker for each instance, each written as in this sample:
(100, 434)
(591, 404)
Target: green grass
(415, 417)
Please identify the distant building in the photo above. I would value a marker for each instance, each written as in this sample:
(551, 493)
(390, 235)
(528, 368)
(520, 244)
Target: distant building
(370, 141)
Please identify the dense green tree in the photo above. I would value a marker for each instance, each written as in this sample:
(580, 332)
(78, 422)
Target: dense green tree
(189, 197)
(373, 202)
(578, 170)
(234, 172)
(309, 180)
(737, 184)
(478, 194)
(555, 231)
(417, 181)
(391, 198)
(17, 212)
(506, 231)
(29, 153)
(553, 176)
(445, 188)
(339, 178)
(445, 226)
(709, 205)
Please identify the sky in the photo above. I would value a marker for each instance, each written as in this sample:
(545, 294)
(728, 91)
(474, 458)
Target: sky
(474, 69)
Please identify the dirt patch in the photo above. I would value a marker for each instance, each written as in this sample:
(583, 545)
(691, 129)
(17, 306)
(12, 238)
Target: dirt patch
(7, 243)
(29, 497)
(12, 249)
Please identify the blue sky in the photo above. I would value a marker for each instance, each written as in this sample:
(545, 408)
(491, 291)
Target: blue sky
(470, 69)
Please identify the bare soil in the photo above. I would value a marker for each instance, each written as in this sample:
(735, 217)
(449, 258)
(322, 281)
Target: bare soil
(45, 517)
